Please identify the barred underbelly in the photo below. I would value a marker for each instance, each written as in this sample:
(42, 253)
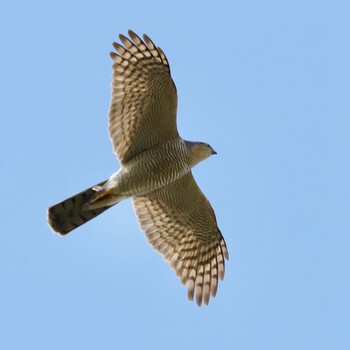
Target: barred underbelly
(153, 169)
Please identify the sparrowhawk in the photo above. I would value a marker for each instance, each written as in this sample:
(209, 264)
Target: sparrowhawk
(155, 171)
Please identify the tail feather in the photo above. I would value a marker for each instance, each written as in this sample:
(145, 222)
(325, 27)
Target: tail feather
(70, 214)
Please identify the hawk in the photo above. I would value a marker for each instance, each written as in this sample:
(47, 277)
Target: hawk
(155, 171)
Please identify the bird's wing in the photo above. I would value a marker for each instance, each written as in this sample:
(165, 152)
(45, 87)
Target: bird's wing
(144, 101)
(180, 224)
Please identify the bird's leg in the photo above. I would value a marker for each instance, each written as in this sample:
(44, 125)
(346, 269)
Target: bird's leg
(101, 198)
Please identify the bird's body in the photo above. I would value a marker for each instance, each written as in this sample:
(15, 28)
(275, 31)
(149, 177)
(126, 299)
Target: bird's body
(153, 168)
(155, 172)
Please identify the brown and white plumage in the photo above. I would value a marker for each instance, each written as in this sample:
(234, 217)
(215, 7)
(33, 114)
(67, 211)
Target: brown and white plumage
(144, 100)
(180, 224)
(155, 172)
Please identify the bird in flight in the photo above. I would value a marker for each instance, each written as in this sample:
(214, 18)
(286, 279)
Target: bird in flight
(155, 171)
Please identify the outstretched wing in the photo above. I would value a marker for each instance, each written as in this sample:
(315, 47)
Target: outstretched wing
(144, 100)
(180, 224)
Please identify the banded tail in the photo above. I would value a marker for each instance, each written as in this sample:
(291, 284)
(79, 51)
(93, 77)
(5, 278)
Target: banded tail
(73, 212)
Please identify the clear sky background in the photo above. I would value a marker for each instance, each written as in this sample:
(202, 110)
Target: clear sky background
(267, 84)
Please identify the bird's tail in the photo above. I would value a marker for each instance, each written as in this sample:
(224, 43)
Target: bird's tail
(75, 211)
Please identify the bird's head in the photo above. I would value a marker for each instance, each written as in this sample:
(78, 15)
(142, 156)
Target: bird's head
(199, 151)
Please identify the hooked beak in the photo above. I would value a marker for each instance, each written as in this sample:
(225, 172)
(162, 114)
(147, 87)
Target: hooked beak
(213, 151)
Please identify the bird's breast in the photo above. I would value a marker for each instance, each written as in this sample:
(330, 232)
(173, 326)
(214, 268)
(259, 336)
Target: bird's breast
(153, 168)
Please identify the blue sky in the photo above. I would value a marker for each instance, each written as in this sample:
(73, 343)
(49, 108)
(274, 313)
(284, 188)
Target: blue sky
(267, 84)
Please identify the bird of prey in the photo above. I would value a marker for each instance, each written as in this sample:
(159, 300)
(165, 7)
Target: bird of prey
(155, 171)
